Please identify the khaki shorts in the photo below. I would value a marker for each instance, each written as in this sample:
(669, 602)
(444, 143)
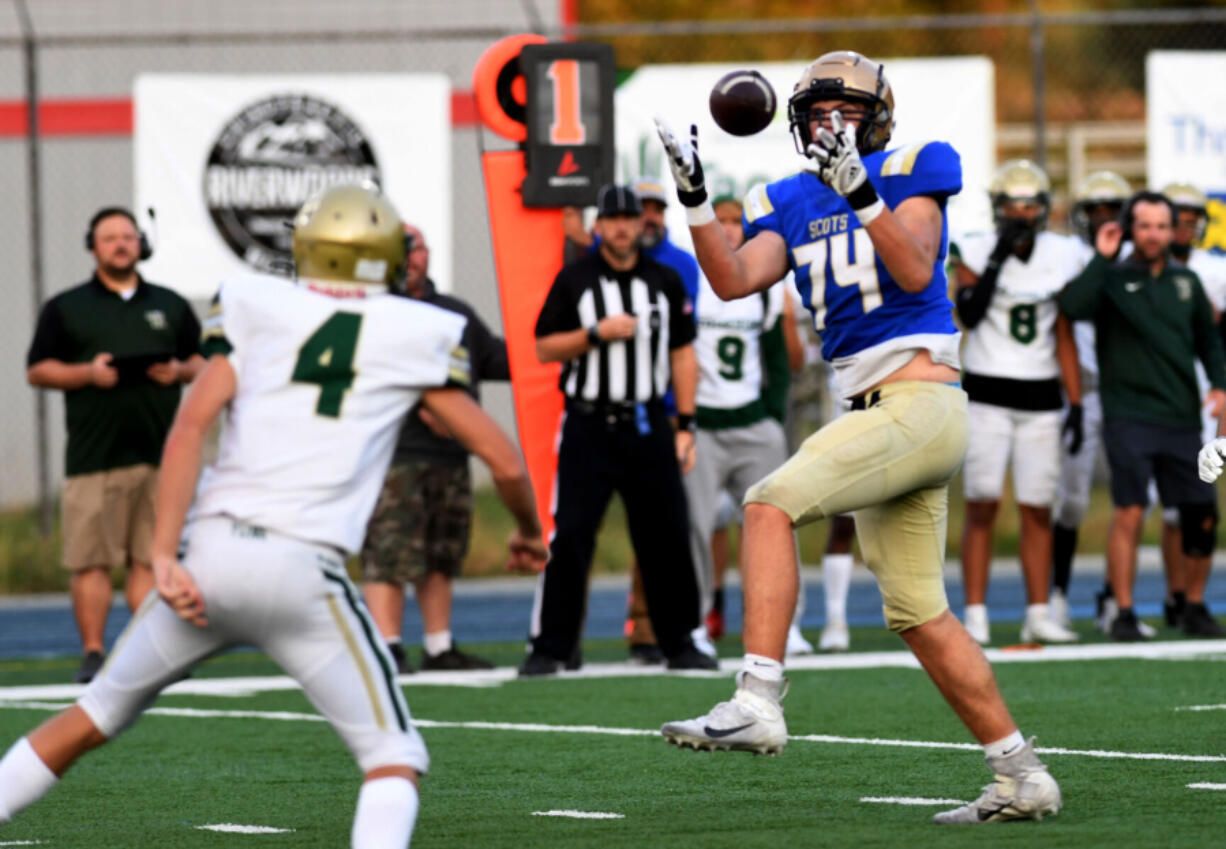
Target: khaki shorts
(421, 523)
(108, 517)
(890, 465)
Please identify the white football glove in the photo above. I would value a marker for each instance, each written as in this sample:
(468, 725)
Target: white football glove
(685, 164)
(1209, 461)
(834, 157)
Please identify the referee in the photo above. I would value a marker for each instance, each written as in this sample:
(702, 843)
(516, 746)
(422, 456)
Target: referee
(622, 326)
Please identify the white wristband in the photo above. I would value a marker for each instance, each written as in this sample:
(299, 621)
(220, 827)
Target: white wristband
(869, 214)
(696, 216)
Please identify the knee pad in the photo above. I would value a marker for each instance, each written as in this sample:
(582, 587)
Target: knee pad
(1198, 524)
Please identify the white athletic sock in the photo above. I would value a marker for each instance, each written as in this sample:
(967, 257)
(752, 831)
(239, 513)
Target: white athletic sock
(760, 666)
(1037, 611)
(387, 810)
(436, 643)
(1004, 746)
(393, 640)
(24, 779)
(836, 578)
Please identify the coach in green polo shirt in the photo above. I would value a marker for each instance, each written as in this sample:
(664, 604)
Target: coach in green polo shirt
(1153, 322)
(119, 347)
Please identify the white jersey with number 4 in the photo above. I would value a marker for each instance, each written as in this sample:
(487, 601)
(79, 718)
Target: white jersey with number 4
(1017, 336)
(323, 384)
(728, 346)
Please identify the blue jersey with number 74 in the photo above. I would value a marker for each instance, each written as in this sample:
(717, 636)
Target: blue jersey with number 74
(854, 301)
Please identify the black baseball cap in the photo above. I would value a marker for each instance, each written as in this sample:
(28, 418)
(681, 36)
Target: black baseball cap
(613, 200)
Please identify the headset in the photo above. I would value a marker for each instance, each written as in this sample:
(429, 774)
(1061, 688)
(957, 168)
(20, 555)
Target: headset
(146, 248)
(1143, 196)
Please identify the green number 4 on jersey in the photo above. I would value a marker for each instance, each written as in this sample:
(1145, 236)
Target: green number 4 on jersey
(326, 359)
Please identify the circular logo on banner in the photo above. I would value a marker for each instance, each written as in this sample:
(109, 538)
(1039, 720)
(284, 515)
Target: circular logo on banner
(269, 160)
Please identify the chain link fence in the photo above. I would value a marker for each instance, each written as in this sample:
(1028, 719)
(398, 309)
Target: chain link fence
(1069, 93)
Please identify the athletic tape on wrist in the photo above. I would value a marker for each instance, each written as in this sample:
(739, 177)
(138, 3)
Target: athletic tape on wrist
(869, 214)
(696, 216)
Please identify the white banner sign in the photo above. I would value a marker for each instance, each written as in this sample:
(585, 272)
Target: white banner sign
(946, 99)
(226, 160)
(1185, 103)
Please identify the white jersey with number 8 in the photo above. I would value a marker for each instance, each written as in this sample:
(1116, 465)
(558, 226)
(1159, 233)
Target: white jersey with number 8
(1017, 336)
(323, 384)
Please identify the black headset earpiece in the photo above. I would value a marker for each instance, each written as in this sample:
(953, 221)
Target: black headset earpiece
(146, 247)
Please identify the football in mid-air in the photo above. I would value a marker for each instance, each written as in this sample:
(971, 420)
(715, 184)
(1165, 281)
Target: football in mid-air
(742, 103)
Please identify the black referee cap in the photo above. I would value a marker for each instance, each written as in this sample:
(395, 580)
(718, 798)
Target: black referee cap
(615, 200)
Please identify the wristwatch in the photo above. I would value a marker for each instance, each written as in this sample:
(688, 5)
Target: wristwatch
(593, 336)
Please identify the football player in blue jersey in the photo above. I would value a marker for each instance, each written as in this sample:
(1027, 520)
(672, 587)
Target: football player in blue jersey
(864, 230)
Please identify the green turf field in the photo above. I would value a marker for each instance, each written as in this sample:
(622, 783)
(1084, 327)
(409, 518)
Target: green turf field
(506, 749)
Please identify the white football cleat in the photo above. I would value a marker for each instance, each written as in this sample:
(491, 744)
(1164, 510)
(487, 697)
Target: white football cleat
(1058, 612)
(1023, 790)
(835, 637)
(1039, 627)
(797, 644)
(975, 618)
(751, 722)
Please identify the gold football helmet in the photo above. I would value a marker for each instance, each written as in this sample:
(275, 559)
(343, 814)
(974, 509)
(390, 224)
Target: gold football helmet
(844, 75)
(349, 234)
(1101, 188)
(1186, 196)
(1020, 180)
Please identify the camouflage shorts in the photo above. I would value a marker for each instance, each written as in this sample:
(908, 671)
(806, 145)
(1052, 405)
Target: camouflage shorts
(420, 524)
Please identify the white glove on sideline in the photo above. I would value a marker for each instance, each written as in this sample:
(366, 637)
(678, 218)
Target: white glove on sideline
(1209, 462)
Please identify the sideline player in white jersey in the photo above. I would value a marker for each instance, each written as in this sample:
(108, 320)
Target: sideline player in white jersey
(864, 229)
(315, 378)
(1097, 199)
(1018, 352)
(744, 372)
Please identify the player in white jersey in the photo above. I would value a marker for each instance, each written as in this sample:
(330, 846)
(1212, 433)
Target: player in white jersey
(1097, 199)
(744, 372)
(1018, 352)
(315, 380)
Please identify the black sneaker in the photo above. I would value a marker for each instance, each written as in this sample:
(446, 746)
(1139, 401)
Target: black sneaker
(1125, 628)
(90, 664)
(453, 659)
(1173, 610)
(646, 654)
(403, 666)
(539, 665)
(575, 661)
(691, 658)
(1199, 622)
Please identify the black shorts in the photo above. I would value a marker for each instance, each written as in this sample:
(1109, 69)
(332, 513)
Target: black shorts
(1139, 451)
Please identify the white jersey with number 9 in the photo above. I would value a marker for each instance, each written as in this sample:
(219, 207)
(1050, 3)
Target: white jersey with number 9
(323, 384)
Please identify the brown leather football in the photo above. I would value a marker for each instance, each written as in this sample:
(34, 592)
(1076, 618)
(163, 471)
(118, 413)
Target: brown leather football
(742, 103)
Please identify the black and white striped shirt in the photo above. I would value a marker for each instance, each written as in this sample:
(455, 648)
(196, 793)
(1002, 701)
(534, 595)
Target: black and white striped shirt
(629, 370)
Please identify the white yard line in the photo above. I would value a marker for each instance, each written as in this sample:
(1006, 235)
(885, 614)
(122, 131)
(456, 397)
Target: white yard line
(1202, 707)
(247, 686)
(580, 815)
(1206, 785)
(234, 828)
(909, 800)
(542, 728)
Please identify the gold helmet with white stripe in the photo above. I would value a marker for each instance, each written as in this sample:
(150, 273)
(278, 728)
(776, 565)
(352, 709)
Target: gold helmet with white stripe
(1187, 197)
(1104, 189)
(350, 235)
(1020, 181)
